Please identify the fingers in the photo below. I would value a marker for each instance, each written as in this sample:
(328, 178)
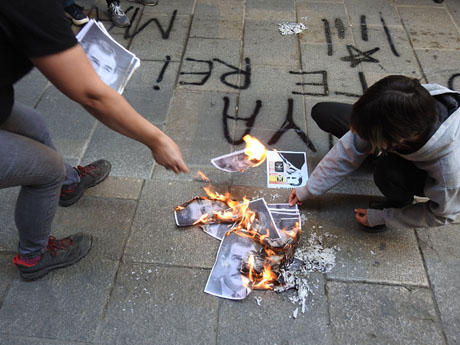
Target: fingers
(292, 198)
(361, 216)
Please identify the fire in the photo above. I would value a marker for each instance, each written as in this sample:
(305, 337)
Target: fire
(259, 270)
(255, 150)
(200, 174)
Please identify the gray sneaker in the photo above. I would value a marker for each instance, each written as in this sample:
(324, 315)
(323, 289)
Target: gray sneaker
(119, 18)
(146, 2)
(58, 254)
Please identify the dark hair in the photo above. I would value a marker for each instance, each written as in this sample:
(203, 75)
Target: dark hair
(395, 108)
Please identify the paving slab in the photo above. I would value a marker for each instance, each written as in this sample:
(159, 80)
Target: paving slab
(440, 251)
(8, 273)
(429, 3)
(440, 67)
(30, 88)
(150, 43)
(155, 238)
(273, 87)
(154, 304)
(379, 314)
(107, 220)
(208, 61)
(212, 27)
(278, 10)
(329, 77)
(390, 257)
(118, 187)
(430, 27)
(14, 340)
(9, 233)
(151, 87)
(215, 176)
(183, 7)
(373, 12)
(195, 120)
(129, 159)
(327, 23)
(395, 54)
(69, 302)
(454, 10)
(312, 327)
(264, 44)
(63, 116)
(230, 10)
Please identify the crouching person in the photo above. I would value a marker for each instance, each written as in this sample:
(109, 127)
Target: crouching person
(412, 134)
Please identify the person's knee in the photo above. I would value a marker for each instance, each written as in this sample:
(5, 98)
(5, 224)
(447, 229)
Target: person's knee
(56, 166)
(318, 113)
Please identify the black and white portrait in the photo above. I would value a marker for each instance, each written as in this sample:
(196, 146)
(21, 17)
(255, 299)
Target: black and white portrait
(225, 279)
(232, 162)
(111, 61)
(194, 209)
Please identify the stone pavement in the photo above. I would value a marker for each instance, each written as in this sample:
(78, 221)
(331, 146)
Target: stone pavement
(224, 63)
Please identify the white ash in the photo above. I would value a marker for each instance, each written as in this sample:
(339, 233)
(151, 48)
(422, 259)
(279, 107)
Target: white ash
(258, 300)
(296, 280)
(289, 28)
(313, 258)
(274, 196)
(295, 312)
(303, 219)
(316, 258)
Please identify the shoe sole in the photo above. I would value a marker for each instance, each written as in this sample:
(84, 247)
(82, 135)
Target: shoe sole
(37, 275)
(76, 21)
(72, 201)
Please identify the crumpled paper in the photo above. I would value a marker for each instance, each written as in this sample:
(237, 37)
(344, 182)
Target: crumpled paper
(289, 28)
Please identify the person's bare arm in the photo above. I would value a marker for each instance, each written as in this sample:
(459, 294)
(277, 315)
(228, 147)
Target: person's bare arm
(71, 72)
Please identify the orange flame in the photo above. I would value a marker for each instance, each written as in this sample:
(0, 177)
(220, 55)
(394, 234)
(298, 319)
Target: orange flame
(200, 174)
(255, 150)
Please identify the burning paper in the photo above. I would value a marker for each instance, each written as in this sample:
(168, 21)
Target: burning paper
(197, 210)
(218, 230)
(253, 155)
(289, 28)
(225, 279)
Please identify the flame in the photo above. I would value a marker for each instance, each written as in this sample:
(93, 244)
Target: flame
(275, 252)
(200, 174)
(255, 150)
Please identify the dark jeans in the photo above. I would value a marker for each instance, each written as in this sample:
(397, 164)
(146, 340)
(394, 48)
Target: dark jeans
(397, 178)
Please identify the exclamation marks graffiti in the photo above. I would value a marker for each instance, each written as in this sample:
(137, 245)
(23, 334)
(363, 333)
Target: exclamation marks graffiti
(364, 35)
(327, 32)
(162, 72)
(387, 32)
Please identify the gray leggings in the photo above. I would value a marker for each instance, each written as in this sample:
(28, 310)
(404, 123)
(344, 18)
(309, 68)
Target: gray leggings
(29, 159)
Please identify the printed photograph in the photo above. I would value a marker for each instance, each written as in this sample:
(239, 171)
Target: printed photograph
(112, 62)
(232, 162)
(195, 208)
(225, 279)
(286, 169)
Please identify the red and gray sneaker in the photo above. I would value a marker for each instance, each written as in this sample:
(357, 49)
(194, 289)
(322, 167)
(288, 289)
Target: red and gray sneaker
(58, 254)
(90, 175)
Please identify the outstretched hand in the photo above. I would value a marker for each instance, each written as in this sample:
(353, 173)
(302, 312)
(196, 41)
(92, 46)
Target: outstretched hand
(361, 216)
(293, 199)
(167, 153)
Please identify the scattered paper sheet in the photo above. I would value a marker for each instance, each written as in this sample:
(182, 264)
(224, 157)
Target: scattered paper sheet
(289, 28)
(233, 162)
(225, 279)
(286, 169)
